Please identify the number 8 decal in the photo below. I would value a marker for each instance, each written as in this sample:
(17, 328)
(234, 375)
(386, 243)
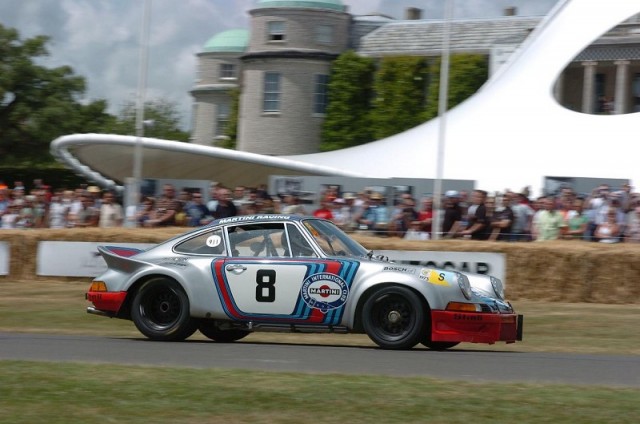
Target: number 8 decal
(266, 280)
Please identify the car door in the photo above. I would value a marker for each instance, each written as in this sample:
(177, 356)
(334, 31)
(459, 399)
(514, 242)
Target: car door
(256, 285)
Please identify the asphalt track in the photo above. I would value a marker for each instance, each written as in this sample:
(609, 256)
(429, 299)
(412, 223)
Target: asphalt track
(455, 364)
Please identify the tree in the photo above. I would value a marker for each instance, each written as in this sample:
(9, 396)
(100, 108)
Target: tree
(400, 95)
(347, 122)
(467, 73)
(37, 104)
(162, 113)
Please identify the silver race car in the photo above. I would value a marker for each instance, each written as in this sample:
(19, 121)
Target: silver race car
(295, 274)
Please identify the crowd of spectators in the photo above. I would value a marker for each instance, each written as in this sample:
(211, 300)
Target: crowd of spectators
(604, 215)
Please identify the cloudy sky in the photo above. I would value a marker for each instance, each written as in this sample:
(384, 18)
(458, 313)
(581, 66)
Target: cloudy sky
(99, 39)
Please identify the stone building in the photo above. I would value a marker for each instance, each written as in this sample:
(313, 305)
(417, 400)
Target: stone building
(281, 66)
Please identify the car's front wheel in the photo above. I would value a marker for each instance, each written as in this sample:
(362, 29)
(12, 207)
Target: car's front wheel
(160, 311)
(393, 317)
(213, 332)
(439, 345)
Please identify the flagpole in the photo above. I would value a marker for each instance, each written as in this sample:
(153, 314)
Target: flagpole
(442, 115)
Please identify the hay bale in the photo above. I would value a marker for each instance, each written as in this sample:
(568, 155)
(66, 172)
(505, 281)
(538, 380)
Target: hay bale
(563, 271)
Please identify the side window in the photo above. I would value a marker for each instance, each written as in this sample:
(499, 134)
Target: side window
(208, 243)
(256, 240)
(297, 245)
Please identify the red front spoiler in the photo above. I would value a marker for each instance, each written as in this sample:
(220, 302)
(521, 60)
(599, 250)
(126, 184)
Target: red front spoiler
(109, 302)
(473, 327)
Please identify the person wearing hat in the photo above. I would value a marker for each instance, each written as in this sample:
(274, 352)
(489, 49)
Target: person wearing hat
(374, 217)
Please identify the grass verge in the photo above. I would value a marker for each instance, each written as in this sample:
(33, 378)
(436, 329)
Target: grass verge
(79, 393)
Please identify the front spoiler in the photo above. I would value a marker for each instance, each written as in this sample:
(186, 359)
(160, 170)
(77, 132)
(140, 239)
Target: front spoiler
(473, 327)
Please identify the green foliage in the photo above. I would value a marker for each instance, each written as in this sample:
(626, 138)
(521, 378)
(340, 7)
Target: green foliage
(406, 95)
(37, 104)
(163, 115)
(350, 91)
(467, 73)
(400, 95)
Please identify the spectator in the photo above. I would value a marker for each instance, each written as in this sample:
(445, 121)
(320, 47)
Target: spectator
(96, 196)
(111, 212)
(86, 215)
(452, 213)
(197, 212)
(522, 218)
(147, 211)
(58, 212)
(324, 211)
(548, 222)
(292, 205)
(348, 212)
(609, 230)
(11, 216)
(226, 207)
(374, 218)
(4, 200)
(577, 223)
(502, 220)
(425, 215)
(40, 206)
(166, 208)
(212, 204)
(478, 224)
(632, 228)
(416, 232)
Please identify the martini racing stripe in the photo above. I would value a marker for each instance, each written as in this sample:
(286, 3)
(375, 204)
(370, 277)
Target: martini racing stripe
(345, 269)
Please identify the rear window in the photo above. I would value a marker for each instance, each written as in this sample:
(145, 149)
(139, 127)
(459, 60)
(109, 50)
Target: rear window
(208, 243)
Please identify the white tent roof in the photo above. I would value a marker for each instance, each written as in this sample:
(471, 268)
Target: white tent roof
(510, 134)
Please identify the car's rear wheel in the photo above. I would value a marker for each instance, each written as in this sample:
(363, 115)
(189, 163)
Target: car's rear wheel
(212, 331)
(393, 317)
(160, 311)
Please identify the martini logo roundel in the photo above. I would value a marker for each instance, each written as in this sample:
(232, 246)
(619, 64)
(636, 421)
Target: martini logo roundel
(324, 291)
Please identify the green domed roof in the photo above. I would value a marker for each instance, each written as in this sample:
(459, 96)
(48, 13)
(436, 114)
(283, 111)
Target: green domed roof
(234, 40)
(311, 4)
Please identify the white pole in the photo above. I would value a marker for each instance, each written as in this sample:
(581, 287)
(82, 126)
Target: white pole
(442, 114)
(134, 188)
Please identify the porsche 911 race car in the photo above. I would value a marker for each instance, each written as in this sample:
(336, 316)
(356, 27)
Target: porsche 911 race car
(295, 274)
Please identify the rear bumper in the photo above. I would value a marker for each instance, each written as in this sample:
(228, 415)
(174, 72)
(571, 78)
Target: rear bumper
(474, 327)
(107, 302)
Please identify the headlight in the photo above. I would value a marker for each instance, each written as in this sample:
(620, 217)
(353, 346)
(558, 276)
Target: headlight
(498, 287)
(465, 286)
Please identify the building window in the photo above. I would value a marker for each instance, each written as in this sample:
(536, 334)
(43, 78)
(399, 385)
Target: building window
(324, 34)
(276, 31)
(320, 94)
(228, 71)
(222, 120)
(271, 92)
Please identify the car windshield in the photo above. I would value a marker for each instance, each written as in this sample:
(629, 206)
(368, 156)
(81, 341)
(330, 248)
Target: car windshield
(332, 240)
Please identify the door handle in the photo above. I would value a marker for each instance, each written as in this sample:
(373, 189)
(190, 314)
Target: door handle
(236, 268)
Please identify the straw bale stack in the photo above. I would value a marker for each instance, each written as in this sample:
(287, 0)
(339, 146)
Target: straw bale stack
(562, 271)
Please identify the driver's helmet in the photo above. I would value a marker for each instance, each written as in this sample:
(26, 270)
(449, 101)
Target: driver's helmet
(299, 245)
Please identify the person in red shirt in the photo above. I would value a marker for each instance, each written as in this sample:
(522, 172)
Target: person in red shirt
(324, 211)
(425, 215)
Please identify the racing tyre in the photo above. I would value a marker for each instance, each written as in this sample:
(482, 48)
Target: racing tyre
(212, 331)
(440, 345)
(160, 311)
(393, 317)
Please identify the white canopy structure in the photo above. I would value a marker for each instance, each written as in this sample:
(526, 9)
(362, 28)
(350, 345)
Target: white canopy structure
(510, 134)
